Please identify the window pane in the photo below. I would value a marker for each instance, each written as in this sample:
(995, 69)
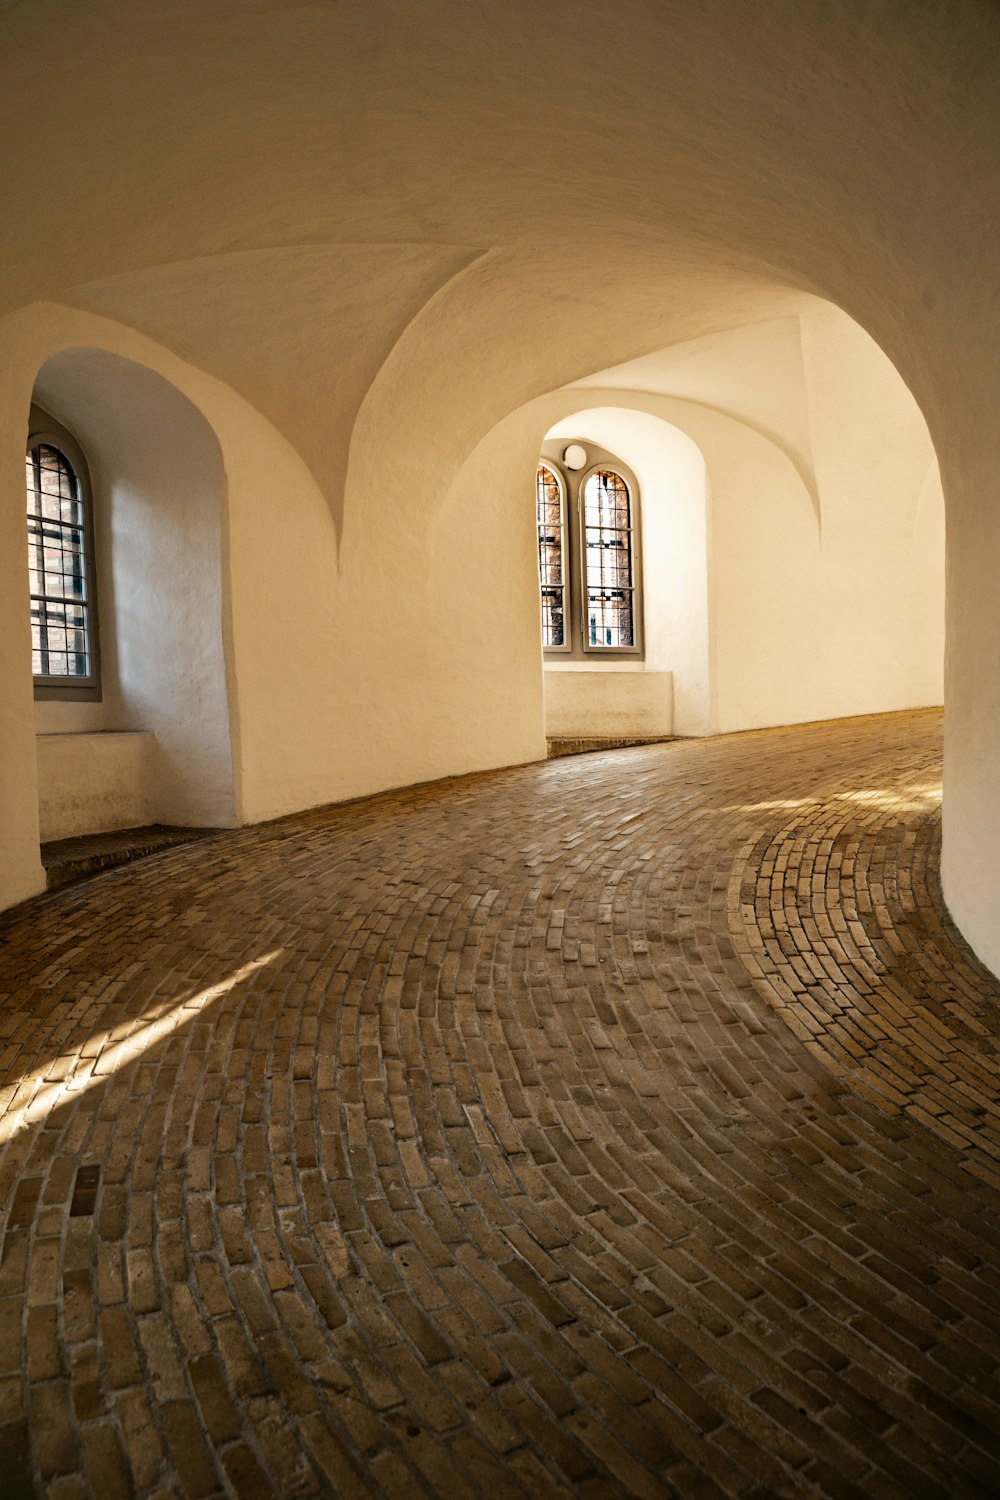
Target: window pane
(551, 524)
(608, 561)
(60, 621)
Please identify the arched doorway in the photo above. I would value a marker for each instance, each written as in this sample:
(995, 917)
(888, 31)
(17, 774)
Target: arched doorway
(153, 745)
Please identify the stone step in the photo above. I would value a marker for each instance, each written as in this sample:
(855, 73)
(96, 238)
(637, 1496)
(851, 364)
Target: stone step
(584, 746)
(68, 860)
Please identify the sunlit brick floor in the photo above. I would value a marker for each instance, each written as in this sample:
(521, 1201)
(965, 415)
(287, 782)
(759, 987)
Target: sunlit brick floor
(622, 1125)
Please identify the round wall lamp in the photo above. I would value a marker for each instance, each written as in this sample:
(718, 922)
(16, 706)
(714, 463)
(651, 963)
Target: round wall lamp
(575, 456)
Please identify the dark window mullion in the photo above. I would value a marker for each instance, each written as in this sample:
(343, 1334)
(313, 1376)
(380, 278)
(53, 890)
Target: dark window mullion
(551, 557)
(608, 560)
(43, 628)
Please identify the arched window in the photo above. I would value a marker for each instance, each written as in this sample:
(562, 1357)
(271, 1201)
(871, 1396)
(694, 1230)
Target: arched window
(551, 517)
(587, 516)
(64, 653)
(607, 544)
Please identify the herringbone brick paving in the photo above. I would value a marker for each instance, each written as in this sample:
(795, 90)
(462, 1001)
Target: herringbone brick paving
(622, 1125)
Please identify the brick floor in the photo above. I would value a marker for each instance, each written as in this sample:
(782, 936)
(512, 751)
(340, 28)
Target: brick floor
(621, 1125)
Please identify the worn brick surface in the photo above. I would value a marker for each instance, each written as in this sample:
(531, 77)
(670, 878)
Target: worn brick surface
(622, 1125)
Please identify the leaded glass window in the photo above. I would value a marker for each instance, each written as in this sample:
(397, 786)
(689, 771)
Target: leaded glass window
(607, 541)
(551, 519)
(587, 512)
(61, 614)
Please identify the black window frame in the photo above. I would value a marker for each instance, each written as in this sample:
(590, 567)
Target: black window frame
(44, 429)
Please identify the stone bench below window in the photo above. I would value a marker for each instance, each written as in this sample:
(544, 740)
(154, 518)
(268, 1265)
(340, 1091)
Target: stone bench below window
(93, 783)
(608, 705)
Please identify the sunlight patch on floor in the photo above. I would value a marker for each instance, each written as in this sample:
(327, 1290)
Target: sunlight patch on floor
(35, 1097)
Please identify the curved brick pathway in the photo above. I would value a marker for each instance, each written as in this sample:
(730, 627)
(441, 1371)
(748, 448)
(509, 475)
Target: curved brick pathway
(625, 1125)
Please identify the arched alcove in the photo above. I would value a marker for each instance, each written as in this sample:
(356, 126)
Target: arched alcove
(807, 579)
(674, 696)
(159, 493)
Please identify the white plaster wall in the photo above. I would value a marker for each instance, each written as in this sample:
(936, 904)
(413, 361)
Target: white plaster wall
(753, 373)
(406, 653)
(21, 873)
(970, 861)
(883, 513)
(94, 783)
(779, 656)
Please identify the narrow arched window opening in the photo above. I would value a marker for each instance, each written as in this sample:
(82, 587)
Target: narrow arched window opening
(551, 519)
(607, 541)
(586, 506)
(60, 564)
